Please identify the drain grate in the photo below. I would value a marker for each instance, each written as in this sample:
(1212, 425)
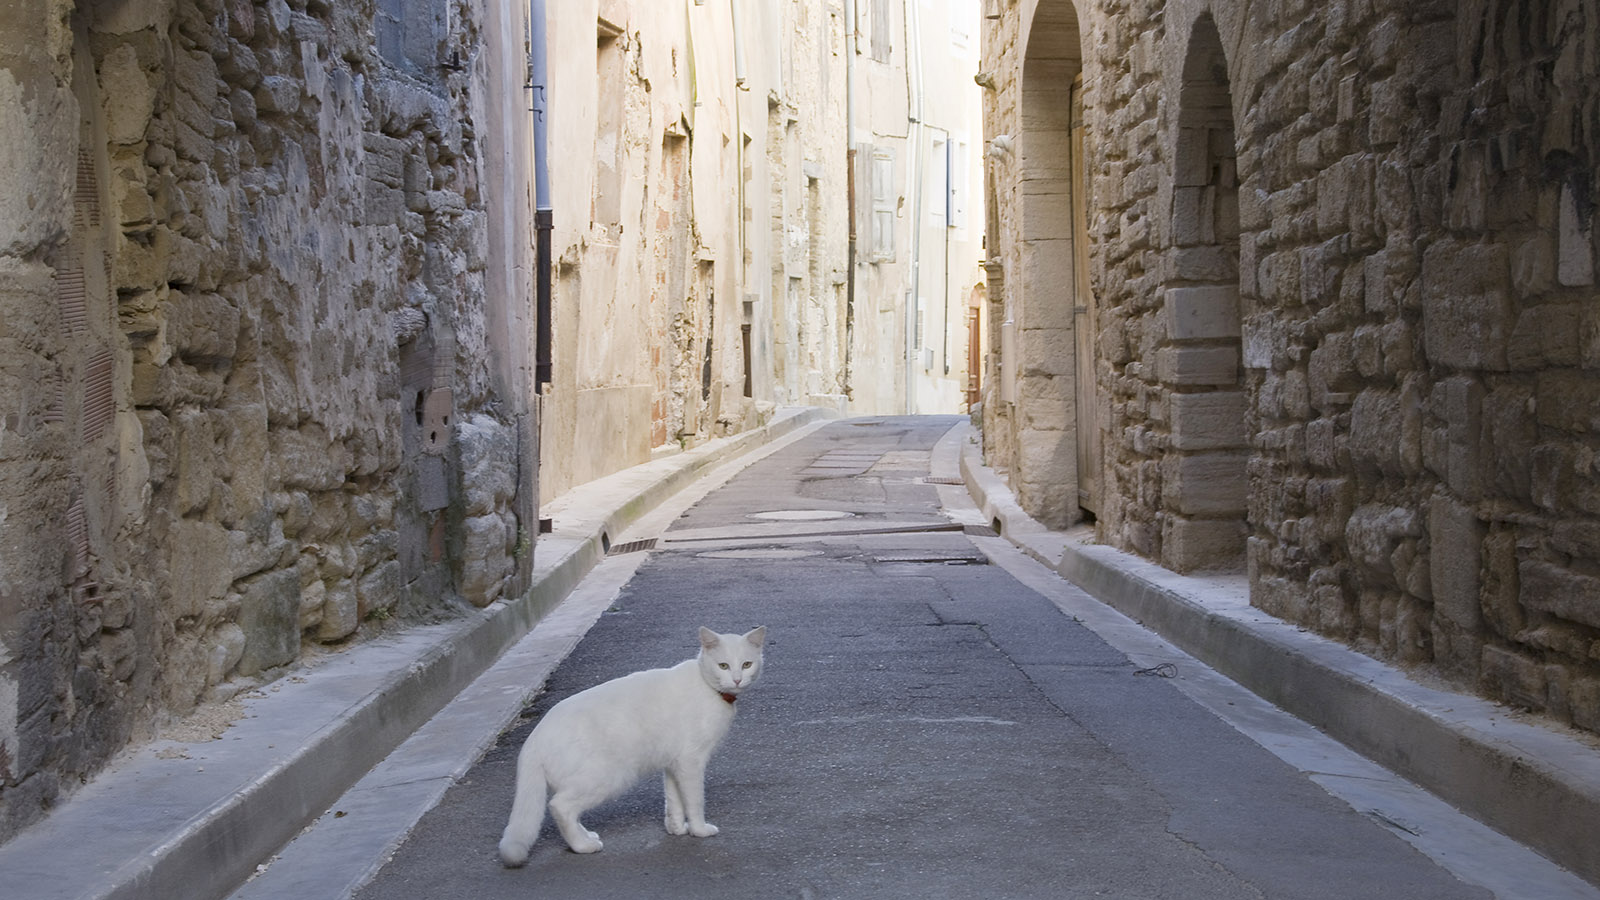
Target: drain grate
(632, 547)
(979, 531)
(923, 556)
(943, 479)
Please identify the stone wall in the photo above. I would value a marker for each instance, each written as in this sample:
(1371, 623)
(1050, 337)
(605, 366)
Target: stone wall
(1344, 255)
(252, 403)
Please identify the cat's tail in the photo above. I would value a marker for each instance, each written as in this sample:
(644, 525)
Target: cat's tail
(527, 812)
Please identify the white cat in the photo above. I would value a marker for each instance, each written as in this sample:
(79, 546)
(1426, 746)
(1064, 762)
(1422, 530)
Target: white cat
(594, 745)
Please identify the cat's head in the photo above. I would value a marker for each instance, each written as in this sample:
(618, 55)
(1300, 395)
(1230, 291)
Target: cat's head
(731, 662)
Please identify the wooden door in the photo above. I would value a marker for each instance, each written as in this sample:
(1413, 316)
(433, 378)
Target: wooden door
(1084, 318)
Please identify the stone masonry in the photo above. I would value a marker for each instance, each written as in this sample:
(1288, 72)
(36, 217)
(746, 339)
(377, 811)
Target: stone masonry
(1343, 256)
(249, 401)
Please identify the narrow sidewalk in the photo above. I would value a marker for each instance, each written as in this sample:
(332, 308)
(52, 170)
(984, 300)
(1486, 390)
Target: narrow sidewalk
(1529, 781)
(176, 819)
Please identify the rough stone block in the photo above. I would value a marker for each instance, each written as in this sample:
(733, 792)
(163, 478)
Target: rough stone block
(1456, 540)
(202, 327)
(1559, 591)
(1467, 313)
(1047, 352)
(197, 460)
(1377, 426)
(269, 616)
(1513, 678)
(1205, 484)
(1208, 421)
(1046, 209)
(196, 577)
(1546, 335)
(340, 612)
(488, 455)
(1194, 216)
(1046, 403)
(379, 588)
(1198, 365)
(1213, 263)
(485, 558)
(1569, 399)
(1574, 242)
(1197, 313)
(1373, 533)
(1193, 545)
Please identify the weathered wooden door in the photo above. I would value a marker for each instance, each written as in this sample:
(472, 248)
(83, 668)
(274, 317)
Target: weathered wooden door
(1084, 318)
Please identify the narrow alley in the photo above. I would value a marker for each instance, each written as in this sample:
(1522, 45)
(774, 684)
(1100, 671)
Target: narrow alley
(926, 726)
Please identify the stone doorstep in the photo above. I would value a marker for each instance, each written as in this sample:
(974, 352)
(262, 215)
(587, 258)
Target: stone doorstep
(1532, 784)
(194, 820)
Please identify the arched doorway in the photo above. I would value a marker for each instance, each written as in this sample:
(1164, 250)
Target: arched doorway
(1052, 320)
(1203, 474)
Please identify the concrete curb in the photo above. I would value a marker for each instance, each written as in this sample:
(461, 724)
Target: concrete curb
(1535, 785)
(201, 835)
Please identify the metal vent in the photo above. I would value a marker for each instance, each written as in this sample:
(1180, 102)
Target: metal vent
(72, 300)
(86, 201)
(55, 412)
(99, 400)
(632, 547)
(78, 538)
(954, 558)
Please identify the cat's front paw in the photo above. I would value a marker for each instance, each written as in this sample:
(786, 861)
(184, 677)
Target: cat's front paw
(704, 829)
(677, 826)
(588, 843)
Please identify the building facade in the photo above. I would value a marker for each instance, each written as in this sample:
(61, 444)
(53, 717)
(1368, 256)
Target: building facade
(755, 205)
(1306, 292)
(263, 373)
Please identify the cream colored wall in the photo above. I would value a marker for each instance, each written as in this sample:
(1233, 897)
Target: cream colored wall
(951, 253)
(932, 262)
(759, 235)
(636, 298)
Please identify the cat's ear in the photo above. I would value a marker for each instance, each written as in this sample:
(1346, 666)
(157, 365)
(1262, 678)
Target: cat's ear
(709, 638)
(757, 637)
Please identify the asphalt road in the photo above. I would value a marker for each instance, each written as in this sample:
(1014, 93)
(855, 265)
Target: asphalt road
(926, 726)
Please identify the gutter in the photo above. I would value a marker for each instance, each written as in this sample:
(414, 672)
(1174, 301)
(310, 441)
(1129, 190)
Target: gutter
(543, 215)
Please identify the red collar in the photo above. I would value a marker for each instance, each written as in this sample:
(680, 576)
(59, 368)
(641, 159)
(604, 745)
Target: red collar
(728, 697)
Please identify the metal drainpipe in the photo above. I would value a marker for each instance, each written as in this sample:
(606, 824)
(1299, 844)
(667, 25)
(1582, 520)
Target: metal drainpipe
(850, 189)
(543, 215)
(912, 24)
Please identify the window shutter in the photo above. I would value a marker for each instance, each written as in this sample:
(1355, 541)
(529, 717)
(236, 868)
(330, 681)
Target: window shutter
(883, 204)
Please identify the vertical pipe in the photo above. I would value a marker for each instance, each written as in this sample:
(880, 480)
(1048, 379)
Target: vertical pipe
(543, 216)
(912, 26)
(949, 222)
(738, 47)
(850, 188)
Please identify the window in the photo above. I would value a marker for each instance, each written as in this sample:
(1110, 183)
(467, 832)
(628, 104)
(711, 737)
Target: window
(959, 186)
(880, 181)
(879, 31)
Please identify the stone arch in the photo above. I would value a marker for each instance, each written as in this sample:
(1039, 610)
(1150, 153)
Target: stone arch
(1057, 461)
(1203, 473)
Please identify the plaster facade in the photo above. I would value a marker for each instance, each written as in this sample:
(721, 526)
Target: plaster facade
(1319, 280)
(702, 182)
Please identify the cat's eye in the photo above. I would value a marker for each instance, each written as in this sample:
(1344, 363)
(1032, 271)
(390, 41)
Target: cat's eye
(748, 664)
(722, 665)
